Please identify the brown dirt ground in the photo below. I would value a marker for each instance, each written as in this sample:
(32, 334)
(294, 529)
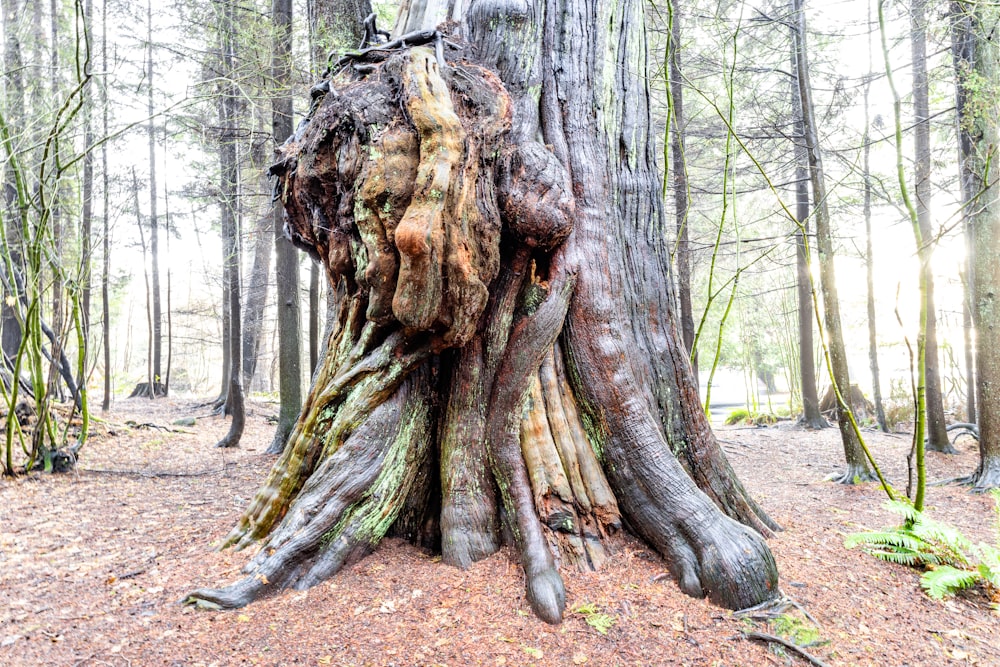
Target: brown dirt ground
(92, 566)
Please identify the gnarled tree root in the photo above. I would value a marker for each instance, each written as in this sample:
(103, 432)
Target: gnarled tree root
(347, 505)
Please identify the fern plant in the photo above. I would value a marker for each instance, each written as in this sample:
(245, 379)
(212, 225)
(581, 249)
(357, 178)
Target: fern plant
(952, 561)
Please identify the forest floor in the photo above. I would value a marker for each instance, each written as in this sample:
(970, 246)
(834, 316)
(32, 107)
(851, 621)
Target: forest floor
(93, 564)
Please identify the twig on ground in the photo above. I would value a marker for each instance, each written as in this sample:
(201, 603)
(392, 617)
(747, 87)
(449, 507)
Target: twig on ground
(791, 646)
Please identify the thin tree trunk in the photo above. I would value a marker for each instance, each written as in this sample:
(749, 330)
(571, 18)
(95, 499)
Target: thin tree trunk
(983, 169)
(154, 226)
(106, 219)
(10, 336)
(870, 253)
(962, 54)
(811, 417)
(314, 271)
(857, 465)
(937, 436)
(286, 262)
(169, 294)
(58, 307)
(257, 288)
(87, 217)
(150, 391)
(228, 188)
(682, 252)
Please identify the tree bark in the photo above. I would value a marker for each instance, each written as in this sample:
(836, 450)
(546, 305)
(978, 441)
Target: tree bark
(10, 329)
(682, 251)
(106, 220)
(811, 417)
(87, 214)
(983, 172)
(937, 436)
(260, 272)
(857, 465)
(491, 274)
(228, 189)
(286, 262)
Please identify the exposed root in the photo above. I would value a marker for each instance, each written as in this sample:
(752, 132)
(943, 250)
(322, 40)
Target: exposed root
(531, 338)
(337, 404)
(985, 479)
(940, 448)
(855, 474)
(347, 506)
(815, 424)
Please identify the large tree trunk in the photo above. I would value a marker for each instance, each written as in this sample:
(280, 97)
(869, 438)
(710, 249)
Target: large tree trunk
(567, 404)
(857, 465)
(979, 118)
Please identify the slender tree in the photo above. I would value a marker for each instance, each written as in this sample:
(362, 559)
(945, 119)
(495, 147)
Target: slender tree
(679, 181)
(937, 436)
(157, 388)
(286, 260)
(14, 92)
(228, 191)
(106, 219)
(811, 415)
(978, 79)
(869, 248)
(87, 214)
(857, 465)
(507, 295)
(962, 58)
(260, 272)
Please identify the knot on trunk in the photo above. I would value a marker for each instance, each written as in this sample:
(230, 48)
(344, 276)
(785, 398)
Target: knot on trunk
(396, 183)
(391, 186)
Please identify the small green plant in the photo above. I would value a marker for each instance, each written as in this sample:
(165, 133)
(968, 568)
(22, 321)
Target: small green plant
(594, 618)
(737, 416)
(744, 416)
(952, 561)
(799, 632)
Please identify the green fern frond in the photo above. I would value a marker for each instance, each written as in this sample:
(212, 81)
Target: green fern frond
(904, 509)
(950, 544)
(912, 550)
(947, 580)
(908, 558)
(989, 564)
